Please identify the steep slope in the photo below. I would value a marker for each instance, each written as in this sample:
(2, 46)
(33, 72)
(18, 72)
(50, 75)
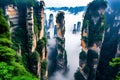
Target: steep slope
(26, 20)
(92, 38)
(60, 41)
(110, 48)
(10, 66)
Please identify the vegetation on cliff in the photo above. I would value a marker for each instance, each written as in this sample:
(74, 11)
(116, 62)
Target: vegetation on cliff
(10, 68)
(93, 29)
(23, 41)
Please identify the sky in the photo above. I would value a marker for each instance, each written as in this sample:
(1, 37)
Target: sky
(68, 3)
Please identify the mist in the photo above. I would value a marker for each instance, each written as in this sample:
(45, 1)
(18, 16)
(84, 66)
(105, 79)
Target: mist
(72, 45)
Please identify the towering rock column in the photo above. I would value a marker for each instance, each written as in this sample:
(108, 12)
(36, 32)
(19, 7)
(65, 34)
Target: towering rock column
(78, 26)
(12, 14)
(60, 40)
(92, 38)
(45, 25)
(42, 4)
(110, 52)
(51, 23)
(30, 28)
(42, 49)
(37, 42)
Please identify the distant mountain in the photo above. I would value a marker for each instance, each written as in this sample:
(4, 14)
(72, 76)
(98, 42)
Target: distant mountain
(73, 10)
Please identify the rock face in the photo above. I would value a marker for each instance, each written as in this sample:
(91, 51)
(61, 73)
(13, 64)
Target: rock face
(55, 31)
(12, 13)
(30, 28)
(51, 23)
(74, 29)
(41, 42)
(45, 25)
(78, 26)
(35, 41)
(60, 41)
(92, 38)
(111, 44)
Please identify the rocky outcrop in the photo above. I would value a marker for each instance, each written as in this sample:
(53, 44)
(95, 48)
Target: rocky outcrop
(33, 49)
(51, 23)
(12, 14)
(74, 29)
(110, 47)
(30, 29)
(78, 26)
(60, 41)
(41, 41)
(45, 25)
(92, 38)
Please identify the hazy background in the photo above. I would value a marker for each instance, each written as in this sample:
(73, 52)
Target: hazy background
(68, 3)
(72, 43)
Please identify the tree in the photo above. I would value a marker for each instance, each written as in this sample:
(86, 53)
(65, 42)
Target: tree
(116, 64)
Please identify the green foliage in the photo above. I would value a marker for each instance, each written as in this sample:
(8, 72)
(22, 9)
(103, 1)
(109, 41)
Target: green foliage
(6, 71)
(6, 54)
(30, 3)
(62, 41)
(45, 40)
(96, 4)
(85, 39)
(118, 76)
(35, 25)
(61, 48)
(24, 78)
(35, 56)
(86, 69)
(25, 60)
(19, 38)
(5, 42)
(85, 24)
(41, 44)
(44, 64)
(37, 20)
(18, 58)
(8, 67)
(30, 43)
(60, 56)
(116, 63)
(4, 28)
(65, 58)
(43, 68)
(78, 75)
(92, 54)
(95, 31)
(83, 55)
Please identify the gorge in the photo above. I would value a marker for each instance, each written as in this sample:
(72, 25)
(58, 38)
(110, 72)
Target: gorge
(59, 42)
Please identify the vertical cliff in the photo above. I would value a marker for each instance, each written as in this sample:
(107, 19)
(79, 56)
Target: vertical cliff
(92, 38)
(10, 66)
(51, 23)
(11, 12)
(78, 26)
(27, 27)
(110, 48)
(40, 41)
(60, 41)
